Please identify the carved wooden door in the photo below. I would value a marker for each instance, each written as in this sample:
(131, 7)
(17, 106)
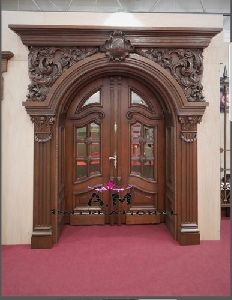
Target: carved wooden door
(115, 131)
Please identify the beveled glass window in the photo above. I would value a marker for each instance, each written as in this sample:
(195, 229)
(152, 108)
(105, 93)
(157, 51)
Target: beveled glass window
(94, 98)
(88, 151)
(142, 150)
(136, 99)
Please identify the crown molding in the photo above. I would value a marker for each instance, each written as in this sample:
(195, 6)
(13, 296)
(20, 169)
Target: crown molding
(61, 35)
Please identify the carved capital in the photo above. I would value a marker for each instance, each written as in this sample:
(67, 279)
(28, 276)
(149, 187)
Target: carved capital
(185, 65)
(189, 128)
(46, 64)
(117, 47)
(189, 123)
(43, 128)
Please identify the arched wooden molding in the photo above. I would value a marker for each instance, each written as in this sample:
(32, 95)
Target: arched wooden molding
(6, 55)
(64, 58)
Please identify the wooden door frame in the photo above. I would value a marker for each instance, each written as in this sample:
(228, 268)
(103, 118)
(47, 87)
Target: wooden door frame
(87, 53)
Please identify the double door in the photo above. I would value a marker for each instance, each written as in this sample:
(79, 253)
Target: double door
(114, 132)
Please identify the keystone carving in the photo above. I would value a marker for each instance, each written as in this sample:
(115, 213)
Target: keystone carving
(185, 65)
(117, 47)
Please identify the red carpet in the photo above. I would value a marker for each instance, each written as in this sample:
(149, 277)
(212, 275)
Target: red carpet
(119, 261)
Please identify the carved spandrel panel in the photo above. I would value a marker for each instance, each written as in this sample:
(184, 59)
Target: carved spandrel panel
(47, 64)
(185, 65)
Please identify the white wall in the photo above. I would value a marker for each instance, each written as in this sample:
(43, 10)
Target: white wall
(17, 143)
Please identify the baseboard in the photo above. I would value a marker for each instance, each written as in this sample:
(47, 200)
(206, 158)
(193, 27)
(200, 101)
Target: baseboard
(41, 242)
(190, 238)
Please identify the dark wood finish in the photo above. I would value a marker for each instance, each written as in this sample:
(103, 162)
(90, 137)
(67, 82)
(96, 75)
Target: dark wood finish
(69, 35)
(182, 109)
(41, 242)
(187, 169)
(77, 193)
(189, 239)
(115, 109)
(43, 132)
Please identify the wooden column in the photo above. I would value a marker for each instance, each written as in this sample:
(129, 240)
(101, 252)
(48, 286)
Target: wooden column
(42, 227)
(187, 169)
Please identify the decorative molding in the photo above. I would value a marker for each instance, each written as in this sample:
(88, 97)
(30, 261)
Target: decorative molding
(47, 64)
(185, 65)
(189, 123)
(6, 55)
(43, 128)
(88, 116)
(42, 231)
(132, 115)
(188, 137)
(117, 47)
(95, 36)
(189, 228)
(189, 128)
(55, 48)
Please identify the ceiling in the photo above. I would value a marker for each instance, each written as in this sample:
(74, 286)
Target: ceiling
(131, 6)
(183, 6)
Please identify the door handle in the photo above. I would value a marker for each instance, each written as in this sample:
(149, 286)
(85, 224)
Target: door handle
(114, 158)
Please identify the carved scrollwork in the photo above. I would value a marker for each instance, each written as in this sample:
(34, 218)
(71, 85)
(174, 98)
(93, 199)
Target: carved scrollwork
(47, 64)
(43, 128)
(185, 65)
(132, 115)
(189, 128)
(117, 47)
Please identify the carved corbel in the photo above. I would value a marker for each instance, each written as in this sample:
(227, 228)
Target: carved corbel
(117, 47)
(43, 128)
(6, 55)
(189, 128)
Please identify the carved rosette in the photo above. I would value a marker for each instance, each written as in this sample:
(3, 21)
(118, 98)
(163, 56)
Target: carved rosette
(117, 47)
(185, 65)
(47, 64)
(43, 128)
(189, 128)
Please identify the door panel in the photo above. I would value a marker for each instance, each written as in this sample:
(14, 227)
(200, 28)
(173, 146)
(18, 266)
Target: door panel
(142, 151)
(115, 130)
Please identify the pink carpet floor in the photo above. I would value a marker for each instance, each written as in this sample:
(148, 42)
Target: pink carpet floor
(119, 261)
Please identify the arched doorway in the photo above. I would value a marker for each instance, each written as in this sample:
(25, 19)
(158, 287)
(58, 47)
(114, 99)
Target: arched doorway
(180, 119)
(115, 131)
(75, 57)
